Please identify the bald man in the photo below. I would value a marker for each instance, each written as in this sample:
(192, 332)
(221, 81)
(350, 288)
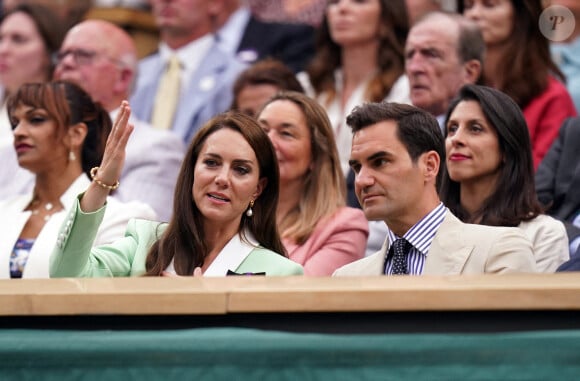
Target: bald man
(102, 59)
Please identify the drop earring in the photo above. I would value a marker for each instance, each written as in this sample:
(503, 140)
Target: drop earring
(72, 156)
(250, 212)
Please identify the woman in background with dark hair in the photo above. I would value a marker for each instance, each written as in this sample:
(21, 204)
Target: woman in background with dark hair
(489, 174)
(518, 63)
(59, 136)
(359, 57)
(224, 211)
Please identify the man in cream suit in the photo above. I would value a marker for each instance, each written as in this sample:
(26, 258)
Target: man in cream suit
(396, 155)
(206, 72)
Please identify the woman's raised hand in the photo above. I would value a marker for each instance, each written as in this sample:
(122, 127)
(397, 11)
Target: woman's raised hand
(114, 157)
(109, 172)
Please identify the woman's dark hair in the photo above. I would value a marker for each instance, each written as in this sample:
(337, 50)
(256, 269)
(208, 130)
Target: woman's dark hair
(266, 72)
(527, 55)
(51, 31)
(184, 240)
(67, 104)
(514, 199)
(393, 30)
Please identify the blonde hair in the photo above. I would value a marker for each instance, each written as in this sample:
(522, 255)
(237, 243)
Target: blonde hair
(324, 185)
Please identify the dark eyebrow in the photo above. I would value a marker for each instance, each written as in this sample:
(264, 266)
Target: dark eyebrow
(378, 155)
(243, 161)
(236, 161)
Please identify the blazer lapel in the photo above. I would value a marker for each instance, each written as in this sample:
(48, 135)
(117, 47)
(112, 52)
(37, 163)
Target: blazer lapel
(448, 254)
(12, 223)
(231, 256)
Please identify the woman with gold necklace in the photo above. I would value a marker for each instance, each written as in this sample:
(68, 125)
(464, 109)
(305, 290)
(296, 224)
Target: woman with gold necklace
(59, 136)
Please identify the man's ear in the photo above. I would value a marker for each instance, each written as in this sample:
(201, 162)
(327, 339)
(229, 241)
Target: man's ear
(431, 164)
(125, 83)
(472, 71)
(216, 7)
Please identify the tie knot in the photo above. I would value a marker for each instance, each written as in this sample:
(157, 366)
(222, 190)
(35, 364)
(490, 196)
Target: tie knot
(402, 244)
(173, 63)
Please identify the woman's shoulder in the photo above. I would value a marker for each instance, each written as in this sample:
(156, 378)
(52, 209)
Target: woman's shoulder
(545, 223)
(347, 213)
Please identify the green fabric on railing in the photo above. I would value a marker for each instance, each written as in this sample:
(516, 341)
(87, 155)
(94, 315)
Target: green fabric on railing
(245, 354)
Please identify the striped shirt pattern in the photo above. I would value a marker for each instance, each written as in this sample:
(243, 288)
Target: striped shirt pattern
(420, 236)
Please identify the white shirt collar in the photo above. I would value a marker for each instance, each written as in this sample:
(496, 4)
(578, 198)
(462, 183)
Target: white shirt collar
(231, 256)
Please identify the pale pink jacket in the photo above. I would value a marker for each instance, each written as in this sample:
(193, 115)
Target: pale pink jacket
(335, 242)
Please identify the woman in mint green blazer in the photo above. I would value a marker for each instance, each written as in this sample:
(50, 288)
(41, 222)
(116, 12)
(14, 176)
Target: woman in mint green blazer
(224, 212)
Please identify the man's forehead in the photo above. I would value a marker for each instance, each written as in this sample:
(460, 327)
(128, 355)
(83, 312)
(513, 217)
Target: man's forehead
(378, 136)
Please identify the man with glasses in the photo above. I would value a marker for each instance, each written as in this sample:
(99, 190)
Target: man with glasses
(101, 58)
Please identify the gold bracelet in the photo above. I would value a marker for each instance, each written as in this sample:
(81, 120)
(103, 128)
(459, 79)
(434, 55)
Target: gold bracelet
(100, 183)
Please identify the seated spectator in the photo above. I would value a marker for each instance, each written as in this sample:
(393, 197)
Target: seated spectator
(28, 37)
(359, 57)
(557, 180)
(318, 231)
(250, 39)
(190, 78)
(223, 214)
(260, 82)
(458, 46)
(433, 83)
(518, 63)
(396, 155)
(59, 136)
(102, 58)
(489, 177)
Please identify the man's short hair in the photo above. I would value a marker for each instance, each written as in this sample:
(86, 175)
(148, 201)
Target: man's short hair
(417, 130)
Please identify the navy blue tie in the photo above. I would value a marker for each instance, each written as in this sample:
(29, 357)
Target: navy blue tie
(401, 249)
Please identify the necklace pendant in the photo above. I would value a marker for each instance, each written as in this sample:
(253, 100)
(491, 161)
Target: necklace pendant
(48, 206)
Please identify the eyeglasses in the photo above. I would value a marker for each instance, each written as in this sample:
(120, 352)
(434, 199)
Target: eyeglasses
(81, 57)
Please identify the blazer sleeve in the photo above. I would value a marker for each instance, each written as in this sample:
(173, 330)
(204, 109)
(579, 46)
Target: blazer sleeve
(74, 255)
(511, 253)
(345, 243)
